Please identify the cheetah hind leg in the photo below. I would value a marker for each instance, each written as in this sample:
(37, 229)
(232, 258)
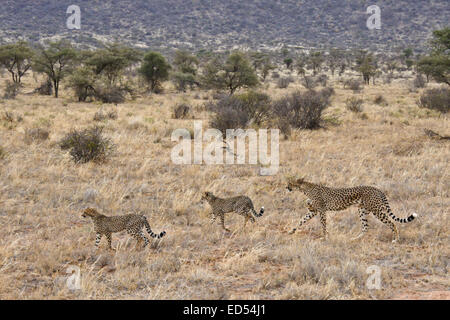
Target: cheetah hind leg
(143, 238)
(363, 218)
(139, 236)
(246, 218)
(109, 238)
(385, 219)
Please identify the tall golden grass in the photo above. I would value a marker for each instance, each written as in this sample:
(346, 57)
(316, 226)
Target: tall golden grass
(42, 193)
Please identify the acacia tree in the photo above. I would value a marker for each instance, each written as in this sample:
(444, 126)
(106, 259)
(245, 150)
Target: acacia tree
(235, 73)
(365, 63)
(212, 75)
(437, 63)
(267, 66)
(315, 61)
(345, 62)
(257, 58)
(333, 59)
(112, 60)
(368, 68)
(288, 62)
(185, 62)
(55, 60)
(391, 65)
(262, 63)
(82, 81)
(406, 57)
(300, 64)
(186, 70)
(16, 58)
(154, 69)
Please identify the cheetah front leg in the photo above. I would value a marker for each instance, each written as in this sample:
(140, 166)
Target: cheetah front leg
(363, 218)
(213, 218)
(222, 222)
(323, 222)
(97, 240)
(308, 216)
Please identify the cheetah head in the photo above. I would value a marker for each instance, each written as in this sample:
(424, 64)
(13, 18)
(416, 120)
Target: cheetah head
(206, 196)
(90, 212)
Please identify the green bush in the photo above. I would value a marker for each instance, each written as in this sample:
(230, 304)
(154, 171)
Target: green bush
(327, 92)
(181, 111)
(354, 104)
(352, 84)
(101, 115)
(87, 145)
(112, 93)
(45, 89)
(256, 104)
(12, 89)
(436, 99)
(380, 100)
(183, 80)
(229, 113)
(300, 110)
(36, 134)
(309, 82)
(419, 81)
(283, 83)
(82, 81)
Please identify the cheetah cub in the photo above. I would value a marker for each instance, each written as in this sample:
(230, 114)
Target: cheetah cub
(241, 205)
(368, 200)
(133, 223)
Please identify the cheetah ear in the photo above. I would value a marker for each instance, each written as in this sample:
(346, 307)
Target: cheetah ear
(90, 211)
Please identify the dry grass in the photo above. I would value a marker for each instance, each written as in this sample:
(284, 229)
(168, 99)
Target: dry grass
(43, 193)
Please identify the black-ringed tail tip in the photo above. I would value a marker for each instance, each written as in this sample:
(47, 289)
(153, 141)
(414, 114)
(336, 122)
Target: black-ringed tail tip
(162, 234)
(409, 219)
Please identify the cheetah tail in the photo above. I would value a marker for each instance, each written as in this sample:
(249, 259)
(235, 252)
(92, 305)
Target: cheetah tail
(151, 233)
(261, 212)
(401, 220)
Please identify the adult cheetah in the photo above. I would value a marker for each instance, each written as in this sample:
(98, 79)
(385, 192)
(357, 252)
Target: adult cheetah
(132, 223)
(241, 205)
(368, 199)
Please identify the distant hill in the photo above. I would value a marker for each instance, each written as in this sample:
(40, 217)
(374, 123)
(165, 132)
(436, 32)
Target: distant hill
(224, 24)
